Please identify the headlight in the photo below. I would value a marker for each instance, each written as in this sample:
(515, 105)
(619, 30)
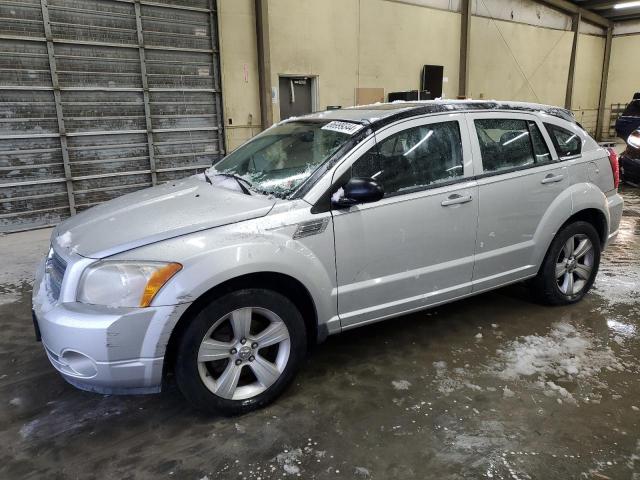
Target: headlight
(124, 284)
(634, 139)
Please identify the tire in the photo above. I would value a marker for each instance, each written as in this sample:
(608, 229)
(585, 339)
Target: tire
(576, 263)
(219, 374)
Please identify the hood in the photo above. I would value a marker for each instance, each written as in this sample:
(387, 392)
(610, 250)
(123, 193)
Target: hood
(154, 214)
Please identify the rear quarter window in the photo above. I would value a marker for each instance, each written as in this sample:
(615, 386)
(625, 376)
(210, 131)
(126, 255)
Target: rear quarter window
(567, 143)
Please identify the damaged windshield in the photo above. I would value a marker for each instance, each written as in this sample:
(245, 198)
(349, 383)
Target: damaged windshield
(281, 158)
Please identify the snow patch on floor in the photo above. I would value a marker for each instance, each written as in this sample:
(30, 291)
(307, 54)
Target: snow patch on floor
(401, 384)
(65, 417)
(564, 353)
(26, 250)
(290, 460)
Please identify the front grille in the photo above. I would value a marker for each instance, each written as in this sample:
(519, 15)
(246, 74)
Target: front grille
(56, 267)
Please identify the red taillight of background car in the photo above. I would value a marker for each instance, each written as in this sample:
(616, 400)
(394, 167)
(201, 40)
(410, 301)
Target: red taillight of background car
(615, 166)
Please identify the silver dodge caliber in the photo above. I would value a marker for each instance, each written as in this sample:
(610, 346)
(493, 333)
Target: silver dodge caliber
(321, 224)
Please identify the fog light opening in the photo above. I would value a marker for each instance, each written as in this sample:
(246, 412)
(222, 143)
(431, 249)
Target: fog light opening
(79, 363)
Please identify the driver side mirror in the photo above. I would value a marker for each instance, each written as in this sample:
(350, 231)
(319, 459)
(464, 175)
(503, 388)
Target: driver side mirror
(357, 190)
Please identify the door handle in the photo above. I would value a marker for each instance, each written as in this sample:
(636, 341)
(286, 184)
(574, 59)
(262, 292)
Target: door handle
(551, 178)
(456, 199)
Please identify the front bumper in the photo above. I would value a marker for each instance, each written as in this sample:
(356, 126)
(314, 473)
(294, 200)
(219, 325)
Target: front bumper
(104, 349)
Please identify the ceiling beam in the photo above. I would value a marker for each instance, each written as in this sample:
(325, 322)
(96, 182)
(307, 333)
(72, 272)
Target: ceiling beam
(622, 13)
(587, 15)
(599, 4)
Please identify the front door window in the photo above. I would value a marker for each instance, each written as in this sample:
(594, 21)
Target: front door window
(414, 158)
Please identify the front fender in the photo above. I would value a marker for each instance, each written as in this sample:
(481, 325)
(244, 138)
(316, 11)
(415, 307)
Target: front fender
(215, 256)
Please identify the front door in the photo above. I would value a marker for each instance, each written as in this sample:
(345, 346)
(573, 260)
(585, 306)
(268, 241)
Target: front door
(295, 97)
(414, 247)
(520, 178)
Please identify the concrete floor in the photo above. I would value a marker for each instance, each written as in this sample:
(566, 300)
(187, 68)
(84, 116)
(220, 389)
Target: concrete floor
(491, 387)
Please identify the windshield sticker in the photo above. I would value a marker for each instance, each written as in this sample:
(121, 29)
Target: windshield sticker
(342, 127)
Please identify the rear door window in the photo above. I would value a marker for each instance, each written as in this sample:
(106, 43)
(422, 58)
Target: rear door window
(508, 143)
(567, 143)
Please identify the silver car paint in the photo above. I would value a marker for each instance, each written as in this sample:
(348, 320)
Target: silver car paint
(154, 214)
(512, 208)
(222, 234)
(435, 259)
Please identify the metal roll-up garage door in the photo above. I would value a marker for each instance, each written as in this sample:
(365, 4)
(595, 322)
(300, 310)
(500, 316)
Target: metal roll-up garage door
(102, 97)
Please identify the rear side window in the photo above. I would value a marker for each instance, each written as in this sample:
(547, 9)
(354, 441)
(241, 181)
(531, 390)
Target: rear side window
(414, 158)
(507, 143)
(567, 143)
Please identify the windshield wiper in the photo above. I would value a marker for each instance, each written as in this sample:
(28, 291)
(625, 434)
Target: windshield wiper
(237, 178)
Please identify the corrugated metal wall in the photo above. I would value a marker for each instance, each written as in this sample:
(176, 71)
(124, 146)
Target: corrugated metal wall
(102, 97)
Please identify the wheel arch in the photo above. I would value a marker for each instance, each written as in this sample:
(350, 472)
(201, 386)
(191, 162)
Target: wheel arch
(591, 215)
(595, 217)
(284, 284)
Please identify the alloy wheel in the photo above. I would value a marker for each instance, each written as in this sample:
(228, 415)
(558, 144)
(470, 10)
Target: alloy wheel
(574, 265)
(244, 353)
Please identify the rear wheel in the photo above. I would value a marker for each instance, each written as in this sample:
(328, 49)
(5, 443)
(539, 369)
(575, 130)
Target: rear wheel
(571, 265)
(240, 352)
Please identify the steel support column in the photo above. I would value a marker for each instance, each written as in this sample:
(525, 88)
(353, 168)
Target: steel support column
(217, 75)
(145, 94)
(58, 101)
(603, 85)
(463, 80)
(264, 62)
(575, 28)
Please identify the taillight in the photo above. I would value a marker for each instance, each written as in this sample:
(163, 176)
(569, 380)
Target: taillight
(615, 166)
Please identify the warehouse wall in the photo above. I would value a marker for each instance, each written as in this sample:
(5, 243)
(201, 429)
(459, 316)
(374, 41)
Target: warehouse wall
(396, 40)
(519, 50)
(514, 61)
(350, 44)
(624, 71)
(239, 59)
(524, 53)
(588, 76)
(316, 38)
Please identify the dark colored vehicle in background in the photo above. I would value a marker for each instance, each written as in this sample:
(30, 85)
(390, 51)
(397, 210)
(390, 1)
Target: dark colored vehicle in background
(630, 160)
(630, 118)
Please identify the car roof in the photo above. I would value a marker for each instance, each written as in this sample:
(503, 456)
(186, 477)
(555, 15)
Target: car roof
(380, 114)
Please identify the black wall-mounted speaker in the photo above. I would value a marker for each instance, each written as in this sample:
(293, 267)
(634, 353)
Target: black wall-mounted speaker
(431, 80)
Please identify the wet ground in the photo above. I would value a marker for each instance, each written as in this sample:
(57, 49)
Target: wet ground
(491, 387)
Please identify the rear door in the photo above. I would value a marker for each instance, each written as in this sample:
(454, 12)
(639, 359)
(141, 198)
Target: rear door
(414, 247)
(520, 178)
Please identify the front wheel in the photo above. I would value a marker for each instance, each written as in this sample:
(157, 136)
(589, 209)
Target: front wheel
(240, 351)
(570, 266)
